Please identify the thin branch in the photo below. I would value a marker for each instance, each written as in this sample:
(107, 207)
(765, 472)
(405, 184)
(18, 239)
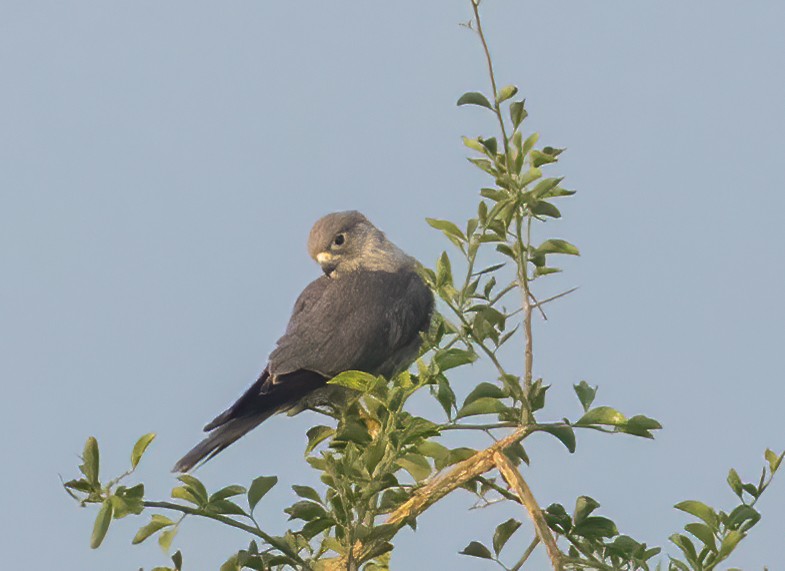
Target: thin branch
(456, 477)
(491, 426)
(232, 523)
(537, 306)
(527, 308)
(555, 297)
(521, 488)
(497, 110)
(508, 495)
(529, 550)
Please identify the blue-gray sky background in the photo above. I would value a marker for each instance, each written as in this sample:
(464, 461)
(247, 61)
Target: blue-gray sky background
(161, 164)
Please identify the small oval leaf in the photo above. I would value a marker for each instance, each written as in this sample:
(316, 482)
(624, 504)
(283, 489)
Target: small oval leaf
(140, 447)
(474, 98)
(101, 525)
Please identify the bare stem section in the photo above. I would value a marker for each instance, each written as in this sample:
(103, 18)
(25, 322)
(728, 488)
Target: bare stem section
(454, 478)
(516, 482)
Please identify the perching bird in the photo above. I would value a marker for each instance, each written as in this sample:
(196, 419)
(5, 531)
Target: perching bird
(365, 313)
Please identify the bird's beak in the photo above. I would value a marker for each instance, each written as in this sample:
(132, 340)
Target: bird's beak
(327, 262)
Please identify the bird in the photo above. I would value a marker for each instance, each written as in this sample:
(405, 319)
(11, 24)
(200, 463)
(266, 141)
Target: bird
(366, 312)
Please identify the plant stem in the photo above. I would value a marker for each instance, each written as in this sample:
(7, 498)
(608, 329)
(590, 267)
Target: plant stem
(529, 550)
(490, 426)
(476, 8)
(280, 545)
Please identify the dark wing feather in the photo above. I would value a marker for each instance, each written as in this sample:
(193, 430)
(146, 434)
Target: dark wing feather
(369, 321)
(362, 320)
(266, 397)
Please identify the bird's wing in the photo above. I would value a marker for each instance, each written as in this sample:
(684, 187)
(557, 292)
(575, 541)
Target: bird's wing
(357, 321)
(365, 320)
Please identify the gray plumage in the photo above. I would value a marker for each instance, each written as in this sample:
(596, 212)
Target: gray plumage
(365, 313)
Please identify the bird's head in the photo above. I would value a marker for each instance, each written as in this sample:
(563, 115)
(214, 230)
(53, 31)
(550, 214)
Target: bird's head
(342, 242)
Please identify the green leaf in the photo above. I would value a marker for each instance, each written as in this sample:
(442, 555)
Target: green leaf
(704, 533)
(78, 485)
(308, 493)
(477, 549)
(518, 113)
(529, 143)
(438, 452)
(687, 547)
(602, 415)
(140, 447)
(225, 507)
(473, 144)
(542, 208)
(506, 93)
(503, 533)
(460, 454)
(443, 271)
(316, 435)
(484, 165)
(595, 527)
(531, 175)
(259, 487)
(102, 521)
(489, 269)
(675, 564)
(357, 380)
(493, 193)
(773, 460)
(316, 526)
(586, 394)
(485, 390)
(516, 452)
(640, 422)
(177, 559)
(166, 537)
(640, 425)
(539, 158)
(564, 433)
(90, 461)
(157, 523)
(305, 511)
(735, 482)
(544, 271)
(445, 396)
(729, 543)
(416, 465)
(491, 146)
(187, 494)
(699, 510)
(231, 564)
(556, 246)
(195, 487)
(454, 357)
(537, 395)
(227, 492)
(742, 518)
(450, 229)
(474, 98)
(353, 431)
(122, 507)
(584, 505)
(484, 405)
(557, 518)
(545, 186)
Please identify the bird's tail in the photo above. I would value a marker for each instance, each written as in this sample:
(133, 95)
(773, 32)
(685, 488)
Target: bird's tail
(262, 400)
(218, 439)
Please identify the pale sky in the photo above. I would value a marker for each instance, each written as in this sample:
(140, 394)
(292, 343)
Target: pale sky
(161, 164)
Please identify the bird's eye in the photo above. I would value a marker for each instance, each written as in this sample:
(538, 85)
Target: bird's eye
(339, 240)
